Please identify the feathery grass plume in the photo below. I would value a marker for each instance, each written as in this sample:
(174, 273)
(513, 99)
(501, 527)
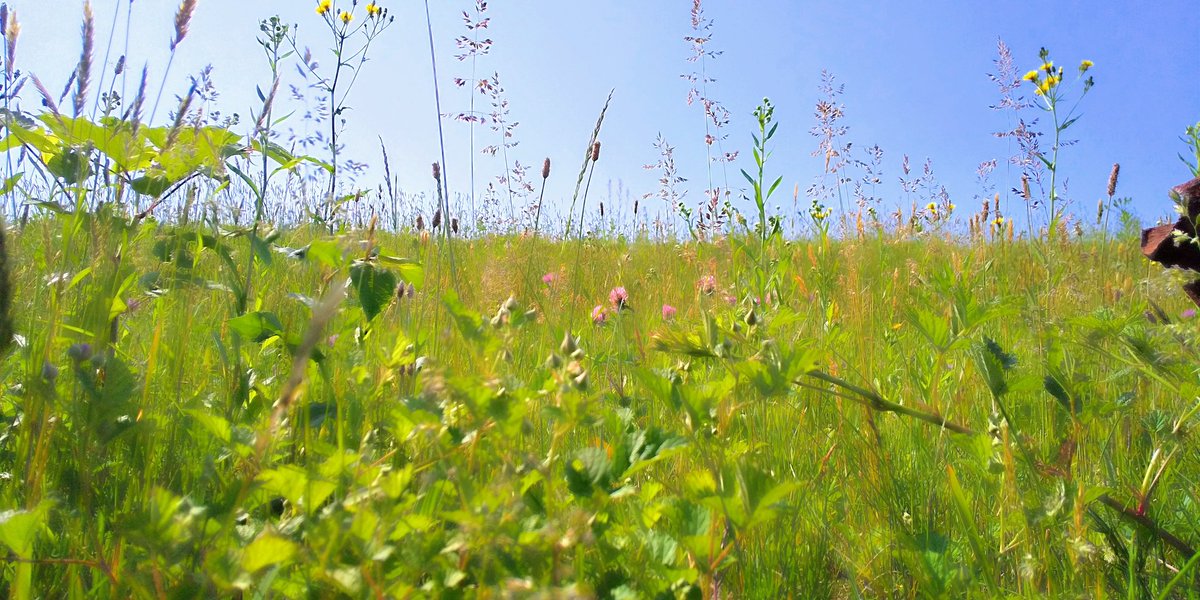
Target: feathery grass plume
(183, 18)
(83, 76)
(184, 107)
(135, 112)
(6, 327)
(1112, 179)
(12, 30)
(47, 98)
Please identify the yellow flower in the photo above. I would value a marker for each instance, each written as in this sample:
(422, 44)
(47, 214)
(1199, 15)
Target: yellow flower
(932, 207)
(346, 17)
(1048, 67)
(373, 10)
(324, 6)
(1031, 76)
(1085, 65)
(950, 207)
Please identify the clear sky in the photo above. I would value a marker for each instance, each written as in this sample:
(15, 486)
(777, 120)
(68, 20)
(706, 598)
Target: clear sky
(915, 76)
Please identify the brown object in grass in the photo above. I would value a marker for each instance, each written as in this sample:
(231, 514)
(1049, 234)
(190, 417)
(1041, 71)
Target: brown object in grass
(1158, 243)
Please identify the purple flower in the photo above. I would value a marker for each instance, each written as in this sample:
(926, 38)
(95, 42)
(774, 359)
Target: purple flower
(549, 278)
(598, 315)
(1189, 313)
(668, 312)
(707, 285)
(618, 297)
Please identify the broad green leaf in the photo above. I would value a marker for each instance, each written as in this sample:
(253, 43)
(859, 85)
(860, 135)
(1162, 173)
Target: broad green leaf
(19, 529)
(375, 288)
(267, 550)
(256, 326)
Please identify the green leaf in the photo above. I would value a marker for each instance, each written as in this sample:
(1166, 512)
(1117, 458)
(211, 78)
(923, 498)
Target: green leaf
(326, 252)
(69, 165)
(256, 326)
(469, 322)
(411, 271)
(374, 286)
(10, 183)
(267, 550)
(151, 185)
(993, 363)
(19, 529)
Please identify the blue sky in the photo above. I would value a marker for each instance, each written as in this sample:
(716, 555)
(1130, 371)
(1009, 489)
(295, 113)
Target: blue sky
(915, 76)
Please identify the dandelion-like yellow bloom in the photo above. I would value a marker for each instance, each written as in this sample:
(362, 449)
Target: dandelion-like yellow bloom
(1085, 65)
(999, 222)
(1031, 76)
(373, 10)
(950, 207)
(324, 6)
(932, 207)
(346, 17)
(1048, 67)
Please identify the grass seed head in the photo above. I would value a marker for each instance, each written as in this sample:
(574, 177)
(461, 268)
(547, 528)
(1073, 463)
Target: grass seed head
(1112, 179)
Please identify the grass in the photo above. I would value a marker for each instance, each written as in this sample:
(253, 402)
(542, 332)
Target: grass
(703, 453)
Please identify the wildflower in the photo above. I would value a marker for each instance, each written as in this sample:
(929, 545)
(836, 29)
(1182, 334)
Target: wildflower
(324, 6)
(373, 10)
(931, 207)
(346, 17)
(1085, 65)
(618, 297)
(549, 278)
(1189, 313)
(1031, 76)
(707, 285)
(80, 352)
(668, 312)
(1048, 66)
(599, 316)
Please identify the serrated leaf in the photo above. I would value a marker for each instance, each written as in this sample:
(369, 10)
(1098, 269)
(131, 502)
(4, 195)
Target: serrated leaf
(375, 288)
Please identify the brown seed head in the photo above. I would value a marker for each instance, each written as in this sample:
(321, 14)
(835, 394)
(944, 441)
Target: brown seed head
(1025, 188)
(596, 152)
(437, 173)
(1112, 179)
(546, 169)
(437, 218)
(183, 18)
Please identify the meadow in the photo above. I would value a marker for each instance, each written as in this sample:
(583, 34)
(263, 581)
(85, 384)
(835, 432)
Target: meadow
(206, 395)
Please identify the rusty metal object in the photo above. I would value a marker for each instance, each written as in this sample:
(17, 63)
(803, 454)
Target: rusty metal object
(1158, 243)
